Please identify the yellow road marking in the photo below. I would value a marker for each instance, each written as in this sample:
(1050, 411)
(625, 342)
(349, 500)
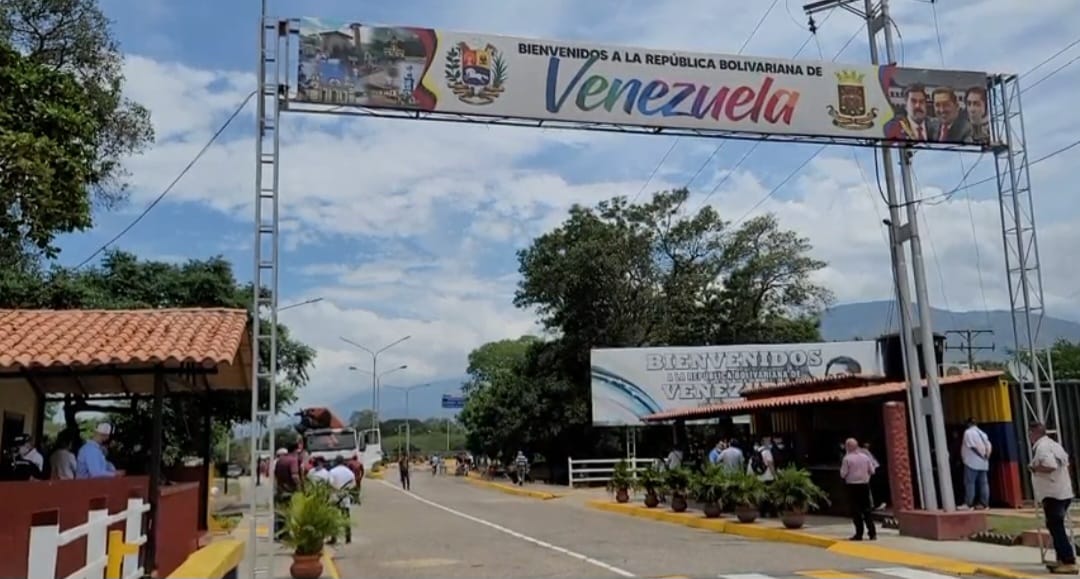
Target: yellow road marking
(329, 565)
(828, 574)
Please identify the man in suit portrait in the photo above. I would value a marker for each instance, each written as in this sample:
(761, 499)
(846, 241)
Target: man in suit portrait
(916, 125)
(953, 126)
(975, 108)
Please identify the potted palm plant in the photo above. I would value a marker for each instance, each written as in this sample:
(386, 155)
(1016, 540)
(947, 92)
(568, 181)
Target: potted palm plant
(710, 488)
(621, 481)
(650, 480)
(677, 482)
(745, 491)
(794, 493)
(311, 518)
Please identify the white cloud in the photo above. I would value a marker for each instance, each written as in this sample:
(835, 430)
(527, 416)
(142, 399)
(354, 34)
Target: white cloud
(417, 223)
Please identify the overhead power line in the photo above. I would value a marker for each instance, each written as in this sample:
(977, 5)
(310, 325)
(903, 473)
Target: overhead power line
(656, 169)
(708, 160)
(173, 184)
(790, 175)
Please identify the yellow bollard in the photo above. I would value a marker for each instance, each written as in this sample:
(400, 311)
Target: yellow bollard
(118, 549)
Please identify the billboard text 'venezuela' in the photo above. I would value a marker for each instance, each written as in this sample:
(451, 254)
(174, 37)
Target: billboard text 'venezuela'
(451, 72)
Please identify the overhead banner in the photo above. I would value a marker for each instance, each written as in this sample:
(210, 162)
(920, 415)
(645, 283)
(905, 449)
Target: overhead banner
(420, 69)
(631, 383)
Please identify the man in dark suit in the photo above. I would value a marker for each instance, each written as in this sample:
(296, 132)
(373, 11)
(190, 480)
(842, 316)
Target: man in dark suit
(916, 124)
(953, 127)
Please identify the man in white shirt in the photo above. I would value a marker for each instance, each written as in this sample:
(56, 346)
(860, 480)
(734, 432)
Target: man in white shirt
(318, 470)
(731, 457)
(29, 452)
(975, 454)
(343, 479)
(1052, 484)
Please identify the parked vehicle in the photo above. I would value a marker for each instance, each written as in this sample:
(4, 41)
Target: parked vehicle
(326, 435)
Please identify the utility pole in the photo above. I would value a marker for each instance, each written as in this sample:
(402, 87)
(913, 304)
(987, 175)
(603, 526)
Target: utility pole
(967, 338)
(928, 405)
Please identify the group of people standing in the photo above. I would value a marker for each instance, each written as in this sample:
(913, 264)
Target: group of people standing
(289, 478)
(71, 457)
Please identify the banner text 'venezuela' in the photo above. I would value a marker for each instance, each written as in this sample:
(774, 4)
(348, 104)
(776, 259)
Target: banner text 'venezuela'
(591, 90)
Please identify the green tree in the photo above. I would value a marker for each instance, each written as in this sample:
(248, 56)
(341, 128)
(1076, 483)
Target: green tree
(122, 281)
(75, 37)
(361, 419)
(633, 275)
(489, 361)
(626, 275)
(47, 156)
(1065, 356)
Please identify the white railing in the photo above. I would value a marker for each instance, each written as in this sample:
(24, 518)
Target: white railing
(104, 549)
(599, 470)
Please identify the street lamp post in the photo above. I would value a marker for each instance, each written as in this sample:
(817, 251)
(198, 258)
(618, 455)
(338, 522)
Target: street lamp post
(378, 381)
(374, 374)
(408, 423)
(298, 304)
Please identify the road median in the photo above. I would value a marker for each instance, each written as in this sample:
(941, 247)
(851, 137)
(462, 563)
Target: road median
(862, 550)
(513, 489)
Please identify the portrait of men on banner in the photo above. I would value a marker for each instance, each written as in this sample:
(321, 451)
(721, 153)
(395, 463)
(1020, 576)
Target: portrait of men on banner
(940, 107)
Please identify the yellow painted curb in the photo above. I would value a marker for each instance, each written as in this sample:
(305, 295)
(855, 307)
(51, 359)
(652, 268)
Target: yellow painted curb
(513, 490)
(329, 565)
(841, 547)
(213, 561)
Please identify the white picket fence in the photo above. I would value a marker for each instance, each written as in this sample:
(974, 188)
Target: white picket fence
(46, 540)
(599, 470)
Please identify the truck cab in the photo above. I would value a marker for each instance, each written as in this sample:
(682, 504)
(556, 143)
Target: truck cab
(326, 435)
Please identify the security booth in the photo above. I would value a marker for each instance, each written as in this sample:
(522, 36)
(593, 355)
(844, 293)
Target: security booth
(110, 361)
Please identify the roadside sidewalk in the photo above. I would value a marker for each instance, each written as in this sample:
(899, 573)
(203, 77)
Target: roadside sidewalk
(539, 491)
(831, 533)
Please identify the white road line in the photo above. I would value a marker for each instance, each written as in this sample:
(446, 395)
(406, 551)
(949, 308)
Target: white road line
(907, 573)
(515, 534)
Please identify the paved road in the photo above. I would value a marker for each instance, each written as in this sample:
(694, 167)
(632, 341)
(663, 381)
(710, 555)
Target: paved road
(448, 528)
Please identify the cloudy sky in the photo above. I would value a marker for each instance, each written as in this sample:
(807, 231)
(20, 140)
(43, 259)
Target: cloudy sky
(410, 228)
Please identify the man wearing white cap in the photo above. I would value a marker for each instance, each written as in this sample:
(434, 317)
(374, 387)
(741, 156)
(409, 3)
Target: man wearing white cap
(91, 462)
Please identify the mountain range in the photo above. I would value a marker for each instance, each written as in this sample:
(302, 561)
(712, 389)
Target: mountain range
(866, 321)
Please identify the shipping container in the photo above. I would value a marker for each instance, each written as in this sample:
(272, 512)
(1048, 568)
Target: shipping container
(1068, 399)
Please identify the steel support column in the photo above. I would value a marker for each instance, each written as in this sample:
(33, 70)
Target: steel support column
(1021, 245)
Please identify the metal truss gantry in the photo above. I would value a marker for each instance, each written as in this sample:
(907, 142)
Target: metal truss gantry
(1021, 245)
(272, 76)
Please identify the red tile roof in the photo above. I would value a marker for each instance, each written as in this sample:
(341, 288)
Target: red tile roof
(835, 395)
(59, 338)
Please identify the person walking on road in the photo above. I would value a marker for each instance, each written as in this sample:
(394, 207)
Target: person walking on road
(856, 470)
(521, 465)
(403, 470)
(1052, 484)
(975, 454)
